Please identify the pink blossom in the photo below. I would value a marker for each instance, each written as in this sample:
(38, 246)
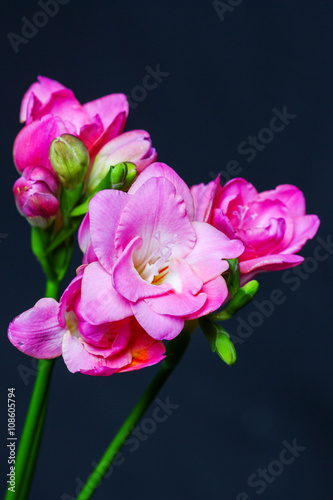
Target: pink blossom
(147, 256)
(34, 196)
(49, 330)
(272, 225)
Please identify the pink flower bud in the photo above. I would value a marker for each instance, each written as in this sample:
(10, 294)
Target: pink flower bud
(35, 197)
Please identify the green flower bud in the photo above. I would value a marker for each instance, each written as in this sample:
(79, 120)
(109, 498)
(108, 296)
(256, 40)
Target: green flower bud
(238, 301)
(69, 158)
(122, 175)
(219, 340)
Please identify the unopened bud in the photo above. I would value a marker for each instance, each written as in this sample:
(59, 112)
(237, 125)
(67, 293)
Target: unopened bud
(69, 158)
(122, 175)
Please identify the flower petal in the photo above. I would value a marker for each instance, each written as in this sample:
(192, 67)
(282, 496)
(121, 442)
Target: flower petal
(105, 210)
(162, 170)
(269, 263)
(305, 228)
(158, 326)
(43, 90)
(37, 332)
(212, 246)
(100, 302)
(216, 292)
(107, 108)
(203, 196)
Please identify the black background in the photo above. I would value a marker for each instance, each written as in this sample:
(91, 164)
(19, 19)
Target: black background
(224, 80)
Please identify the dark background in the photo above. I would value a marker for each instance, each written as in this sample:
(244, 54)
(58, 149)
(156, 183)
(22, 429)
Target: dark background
(224, 80)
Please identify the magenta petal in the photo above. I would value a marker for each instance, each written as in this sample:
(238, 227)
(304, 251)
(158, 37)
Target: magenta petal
(212, 246)
(158, 326)
(238, 191)
(105, 210)
(43, 90)
(32, 144)
(203, 196)
(163, 170)
(305, 228)
(100, 302)
(289, 195)
(269, 263)
(37, 332)
(107, 108)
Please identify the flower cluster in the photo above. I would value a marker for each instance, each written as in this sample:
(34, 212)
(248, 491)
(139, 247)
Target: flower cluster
(153, 257)
(49, 110)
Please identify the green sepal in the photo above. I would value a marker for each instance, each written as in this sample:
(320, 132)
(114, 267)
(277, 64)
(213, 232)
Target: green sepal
(233, 276)
(83, 208)
(219, 340)
(69, 198)
(238, 301)
(63, 234)
(61, 258)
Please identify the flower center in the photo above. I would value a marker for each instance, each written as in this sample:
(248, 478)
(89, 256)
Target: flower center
(241, 214)
(155, 266)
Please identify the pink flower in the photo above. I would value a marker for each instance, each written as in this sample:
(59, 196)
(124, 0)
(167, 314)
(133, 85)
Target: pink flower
(50, 329)
(272, 225)
(50, 110)
(34, 196)
(147, 256)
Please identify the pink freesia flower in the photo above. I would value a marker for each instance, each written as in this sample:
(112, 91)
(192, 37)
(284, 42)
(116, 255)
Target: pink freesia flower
(34, 196)
(147, 256)
(50, 110)
(272, 225)
(50, 329)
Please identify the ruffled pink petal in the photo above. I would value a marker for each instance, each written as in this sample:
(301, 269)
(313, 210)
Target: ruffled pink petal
(163, 170)
(105, 210)
(68, 298)
(37, 332)
(269, 263)
(289, 195)
(78, 359)
(32, 144)
(145, 350)
(305, 228)
(115, 128)
(222, 223)
(203, 196)
(100, 302)
(238, 191)
(159, 217)
(107, 108)
(126, 279)
(263, 240)
(212, 246)
(43, 90)
(63, 104)
(158, 326)
(216, 292)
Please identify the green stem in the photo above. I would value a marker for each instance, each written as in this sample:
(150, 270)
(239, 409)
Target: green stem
(175, 350)
(30, 467)
(34, 423)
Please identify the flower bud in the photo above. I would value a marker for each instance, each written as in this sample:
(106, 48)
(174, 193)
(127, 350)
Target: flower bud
(35, 197)
(122, 175)
(69, 158)
(133, 146)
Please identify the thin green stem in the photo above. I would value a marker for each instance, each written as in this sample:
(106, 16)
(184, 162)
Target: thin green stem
(175, 350)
